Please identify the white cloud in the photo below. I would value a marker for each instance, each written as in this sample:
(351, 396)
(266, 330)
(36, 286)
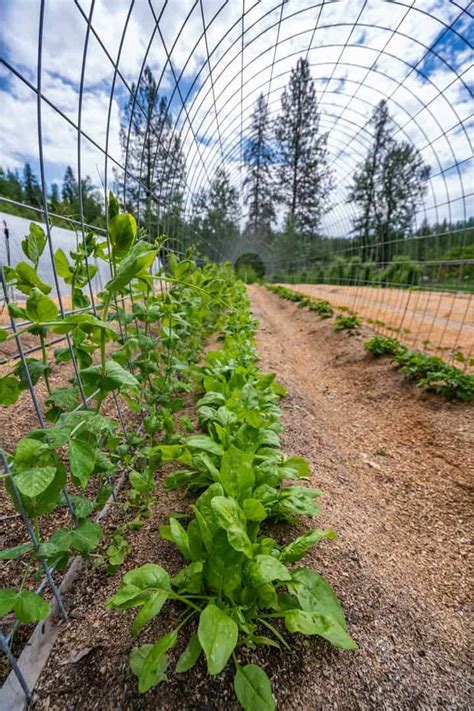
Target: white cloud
(365, 64)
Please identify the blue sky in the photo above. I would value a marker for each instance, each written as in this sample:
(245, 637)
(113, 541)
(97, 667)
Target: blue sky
(430, 107)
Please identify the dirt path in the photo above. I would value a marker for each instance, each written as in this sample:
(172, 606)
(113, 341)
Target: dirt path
(445, 320)
(394, 466)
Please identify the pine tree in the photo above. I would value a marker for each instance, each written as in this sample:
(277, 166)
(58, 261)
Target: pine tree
(258, 183)
(31, 189)
(10, 185)
(54, 199)
(215, 217)
(153, 156)
(303, 175)
(387, 189)
(69, 190)
(87, 203)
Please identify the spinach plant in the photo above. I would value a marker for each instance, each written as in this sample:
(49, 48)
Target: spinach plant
(238, 580)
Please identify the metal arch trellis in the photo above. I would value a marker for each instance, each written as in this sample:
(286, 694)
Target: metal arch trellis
(204, 111)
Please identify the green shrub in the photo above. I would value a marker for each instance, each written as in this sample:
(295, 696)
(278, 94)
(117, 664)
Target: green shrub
(246, 273)
(430, 372)
(322, 308)
(381, 345)
(348, 323)
(253, 261)
(434, 374)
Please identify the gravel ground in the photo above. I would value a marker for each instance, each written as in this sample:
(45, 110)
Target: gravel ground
(394, 466)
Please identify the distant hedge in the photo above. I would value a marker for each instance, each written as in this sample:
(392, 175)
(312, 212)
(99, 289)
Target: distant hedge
(250, 260)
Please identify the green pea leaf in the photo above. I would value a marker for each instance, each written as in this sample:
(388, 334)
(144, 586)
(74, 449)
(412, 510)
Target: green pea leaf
(16, 552)
(3, 335)
(62, 265)
(217, 633)
(135, 264)
(34, 243)
(27, 279)
(122, 233)
(40, 308)
(30, 607)
(7, 601)
(9, 390)
(82, 460)
(115, 378)
(15, 310)
(85, 538)
(113, 206)
(32, 482)
(253, 689)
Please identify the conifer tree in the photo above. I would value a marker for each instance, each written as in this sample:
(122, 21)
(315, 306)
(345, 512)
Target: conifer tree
(387, 188)
(153, 156)
(258, 183)
(69, 190)
(54, 198)
(215, 217)
(10, 184)
(31, 188)
(303, 176)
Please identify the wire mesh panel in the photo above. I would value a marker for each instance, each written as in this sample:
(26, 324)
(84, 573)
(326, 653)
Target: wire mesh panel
(154, 102)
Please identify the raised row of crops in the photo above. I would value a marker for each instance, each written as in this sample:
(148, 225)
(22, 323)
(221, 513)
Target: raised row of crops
(140, 341)
(429, 372)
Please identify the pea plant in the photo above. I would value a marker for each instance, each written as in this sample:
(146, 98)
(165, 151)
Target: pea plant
(135, 340)
(238, 581)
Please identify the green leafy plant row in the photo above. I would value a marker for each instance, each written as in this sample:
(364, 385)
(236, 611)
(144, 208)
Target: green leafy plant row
(139, 341)
(319, 306)
(238, 583)
(430, 372)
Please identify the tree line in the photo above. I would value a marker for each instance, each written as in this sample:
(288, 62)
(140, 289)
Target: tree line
(286, 190)
(64, 200)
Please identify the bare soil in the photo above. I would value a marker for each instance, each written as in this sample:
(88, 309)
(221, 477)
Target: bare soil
(394, 464)
(445, 320)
